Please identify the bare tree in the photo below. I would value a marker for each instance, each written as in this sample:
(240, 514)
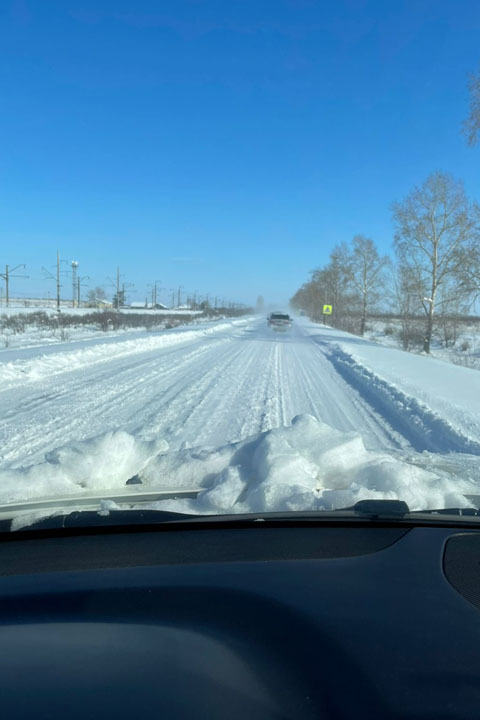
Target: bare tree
(471, 126)
(470, 273)
(366, 269)
(452, 304)
(404, 301)
(310, 297)
(435, 227)
(331, 285)
(94, 296)
(302, 299)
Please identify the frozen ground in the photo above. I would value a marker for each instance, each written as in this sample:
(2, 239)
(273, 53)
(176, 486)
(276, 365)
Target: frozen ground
(38, 335)
(465, 350)
(212, 407)
(67, 310)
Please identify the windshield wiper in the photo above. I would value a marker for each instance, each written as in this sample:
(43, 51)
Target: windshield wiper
(363, 512)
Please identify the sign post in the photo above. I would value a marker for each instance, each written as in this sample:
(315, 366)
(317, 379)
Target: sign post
(327, 310)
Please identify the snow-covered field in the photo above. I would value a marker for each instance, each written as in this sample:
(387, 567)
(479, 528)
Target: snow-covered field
(35, 334)
(463, 349)
(211, 407)
(67, 310)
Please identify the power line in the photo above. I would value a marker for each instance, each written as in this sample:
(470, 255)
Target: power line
(7, 275)
(51, 276)
(74, 281)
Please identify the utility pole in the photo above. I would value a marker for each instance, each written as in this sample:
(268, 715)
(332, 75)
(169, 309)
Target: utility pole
(173, 298)
(58, 281)
(154, 293)
(115, 283)
(50, 276)
(74, 281)
(79, 284)
(7, 275)
(180, 288)
(124, 291)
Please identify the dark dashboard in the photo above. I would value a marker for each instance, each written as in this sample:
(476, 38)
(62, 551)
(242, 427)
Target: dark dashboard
(343, 621)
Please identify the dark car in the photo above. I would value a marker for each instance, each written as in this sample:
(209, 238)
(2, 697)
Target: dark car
(279, 321)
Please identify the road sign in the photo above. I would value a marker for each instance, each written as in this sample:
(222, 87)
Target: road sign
(327, 309)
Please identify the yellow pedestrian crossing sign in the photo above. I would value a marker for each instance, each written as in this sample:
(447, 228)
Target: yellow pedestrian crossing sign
(327, 309)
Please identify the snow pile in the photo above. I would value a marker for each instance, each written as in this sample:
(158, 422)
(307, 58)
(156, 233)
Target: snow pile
(102, 463)
(306, 466)
(37, 368)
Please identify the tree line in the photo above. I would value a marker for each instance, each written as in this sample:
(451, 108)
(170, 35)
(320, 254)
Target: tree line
(433, 272)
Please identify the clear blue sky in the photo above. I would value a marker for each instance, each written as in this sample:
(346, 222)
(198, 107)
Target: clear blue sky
(222, 145)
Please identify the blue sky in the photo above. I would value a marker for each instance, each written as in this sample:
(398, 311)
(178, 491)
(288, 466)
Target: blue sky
(222, 146)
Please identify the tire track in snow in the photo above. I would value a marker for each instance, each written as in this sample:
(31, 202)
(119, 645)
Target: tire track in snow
(211, 390)
(185, 415)
(341, 400)
(86, 405)
(311, 385)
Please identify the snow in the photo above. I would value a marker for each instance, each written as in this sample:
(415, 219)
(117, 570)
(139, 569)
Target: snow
(307, 465)
(464, 351)
(436, 403)
(38, 334)
(211, 407)
(68, 310)
(19, 371)
(105, 462)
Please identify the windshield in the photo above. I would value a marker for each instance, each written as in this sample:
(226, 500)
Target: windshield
(239, 255)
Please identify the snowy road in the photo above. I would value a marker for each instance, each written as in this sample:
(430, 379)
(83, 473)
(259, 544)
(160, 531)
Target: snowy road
(372, 421)
(207, 390)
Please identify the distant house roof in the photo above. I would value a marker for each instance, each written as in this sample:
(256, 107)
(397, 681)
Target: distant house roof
(138, 305)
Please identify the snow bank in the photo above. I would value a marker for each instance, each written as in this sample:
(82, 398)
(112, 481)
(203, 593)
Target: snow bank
(425, 429)
(36, 368)
(306, 466)
(434, 404)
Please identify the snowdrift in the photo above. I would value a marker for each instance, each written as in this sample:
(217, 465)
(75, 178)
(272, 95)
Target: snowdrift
(19, 372)
(305, 466)
(433, 404)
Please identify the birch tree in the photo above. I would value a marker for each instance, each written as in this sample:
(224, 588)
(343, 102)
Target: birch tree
(366, 270)
(435, 226)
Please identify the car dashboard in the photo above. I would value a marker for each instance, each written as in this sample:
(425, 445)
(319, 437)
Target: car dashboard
(288, 621)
